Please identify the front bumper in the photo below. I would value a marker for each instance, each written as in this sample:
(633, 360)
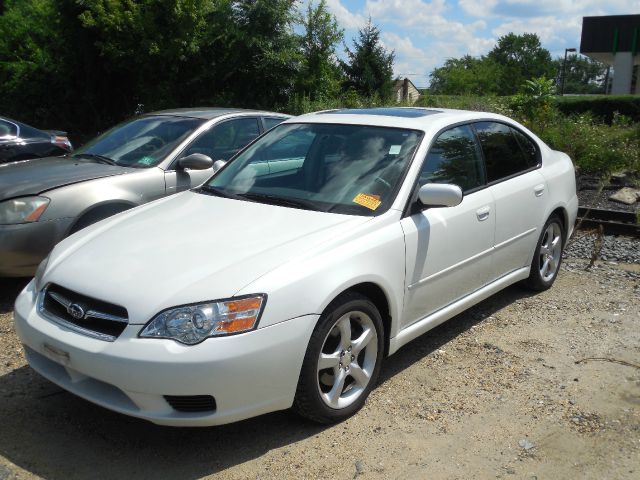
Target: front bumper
(247, 374)
(23, 246)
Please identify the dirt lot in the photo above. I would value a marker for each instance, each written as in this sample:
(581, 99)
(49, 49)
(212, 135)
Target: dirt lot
(493, 393)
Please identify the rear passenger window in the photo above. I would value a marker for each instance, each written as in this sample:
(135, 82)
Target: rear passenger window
(506, 151)
(454, 158)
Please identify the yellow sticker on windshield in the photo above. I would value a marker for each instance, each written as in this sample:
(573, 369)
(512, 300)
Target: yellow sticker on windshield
(370, 201)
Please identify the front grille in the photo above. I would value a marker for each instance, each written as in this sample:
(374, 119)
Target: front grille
(192, 403)
(83, 314)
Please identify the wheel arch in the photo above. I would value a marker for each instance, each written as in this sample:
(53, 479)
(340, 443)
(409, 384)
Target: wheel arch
(100, 211)
(563, 214)
(379, 298)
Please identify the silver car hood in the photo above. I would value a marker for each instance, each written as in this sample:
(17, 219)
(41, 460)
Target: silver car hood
(37, 175)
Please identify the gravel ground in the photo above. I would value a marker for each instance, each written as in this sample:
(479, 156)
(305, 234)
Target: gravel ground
(600, 199)
(494, 393)
(614, 248)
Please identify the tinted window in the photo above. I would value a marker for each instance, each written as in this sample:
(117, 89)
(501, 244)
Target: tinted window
(454, 158)
(270, 122)
(32, 133)
(7, 129)
(503, 153)
(528, 147)
(222, 141)
(143, 142)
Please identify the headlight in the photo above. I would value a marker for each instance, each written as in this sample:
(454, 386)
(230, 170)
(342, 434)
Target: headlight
(39, 272)
(191, 324)
(22, 210)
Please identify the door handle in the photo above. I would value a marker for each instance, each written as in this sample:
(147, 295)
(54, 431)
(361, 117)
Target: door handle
(538, 190)
(483, 213)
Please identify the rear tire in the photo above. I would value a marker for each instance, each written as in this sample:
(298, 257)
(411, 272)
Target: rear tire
(547, 257)
(342, 362)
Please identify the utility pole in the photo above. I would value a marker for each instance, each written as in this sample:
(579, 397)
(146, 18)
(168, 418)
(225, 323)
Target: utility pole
(564, 69)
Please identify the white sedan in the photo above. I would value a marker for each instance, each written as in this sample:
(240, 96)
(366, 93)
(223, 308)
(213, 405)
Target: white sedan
(284, 280)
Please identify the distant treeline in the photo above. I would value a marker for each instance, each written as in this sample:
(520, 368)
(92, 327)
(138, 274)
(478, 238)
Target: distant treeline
(84, 65)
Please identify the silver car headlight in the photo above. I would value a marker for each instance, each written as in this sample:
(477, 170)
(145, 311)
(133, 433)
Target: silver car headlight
(191, 324)
(22, 210)
(40, 272)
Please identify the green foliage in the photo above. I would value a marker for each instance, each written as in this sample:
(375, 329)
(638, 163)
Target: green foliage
(465, 76)
(369, 68)
(536, 98)
(521, 57)
(513, 60)
(320, 75)
(487, 103)
(582, 75)
(299, 105)
(602, 107)
(593, 146)
(82, 65)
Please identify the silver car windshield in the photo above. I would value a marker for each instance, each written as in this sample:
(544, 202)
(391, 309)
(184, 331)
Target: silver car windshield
(350, 169)
(143, 142)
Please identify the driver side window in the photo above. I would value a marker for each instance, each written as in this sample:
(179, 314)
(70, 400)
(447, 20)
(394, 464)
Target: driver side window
(222, 141)
(454, 158)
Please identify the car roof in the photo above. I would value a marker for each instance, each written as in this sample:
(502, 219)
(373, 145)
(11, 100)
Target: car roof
(401, 117)
(208, 113)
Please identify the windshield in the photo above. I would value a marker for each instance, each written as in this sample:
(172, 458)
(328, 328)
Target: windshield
(351, 169)
(143, 142)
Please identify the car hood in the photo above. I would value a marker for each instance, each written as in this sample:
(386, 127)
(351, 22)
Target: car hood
(31, 177)
(187, 248)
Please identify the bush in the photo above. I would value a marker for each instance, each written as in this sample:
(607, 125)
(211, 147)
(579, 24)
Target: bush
(477, 103)
(594, 147)
(601, 106)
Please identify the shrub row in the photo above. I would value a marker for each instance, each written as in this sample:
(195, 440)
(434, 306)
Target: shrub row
(601, 106)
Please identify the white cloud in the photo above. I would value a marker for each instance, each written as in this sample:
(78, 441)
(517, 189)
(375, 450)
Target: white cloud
(539, 8)
(345, 17)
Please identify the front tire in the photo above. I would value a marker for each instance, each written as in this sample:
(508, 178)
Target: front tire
(548, 256)
(342, 362)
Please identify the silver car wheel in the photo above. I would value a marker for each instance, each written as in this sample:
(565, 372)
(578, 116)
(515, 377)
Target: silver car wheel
(347, 359)
(550, 251)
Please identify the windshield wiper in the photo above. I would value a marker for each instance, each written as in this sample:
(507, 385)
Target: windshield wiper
(285, 202)
(209, 190)
(95, 156)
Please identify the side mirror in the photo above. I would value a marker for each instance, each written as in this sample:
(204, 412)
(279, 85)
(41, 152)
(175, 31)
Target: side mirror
(440, 195)
(195, 161)
(218, 164)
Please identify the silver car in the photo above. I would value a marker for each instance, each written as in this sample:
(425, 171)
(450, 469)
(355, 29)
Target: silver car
(44, 200)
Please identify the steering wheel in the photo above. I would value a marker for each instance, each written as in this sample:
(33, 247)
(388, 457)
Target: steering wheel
(155, 142)
(383, 182)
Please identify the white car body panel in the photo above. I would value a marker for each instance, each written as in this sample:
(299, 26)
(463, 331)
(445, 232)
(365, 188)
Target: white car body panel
(448, 253)
(429, 265)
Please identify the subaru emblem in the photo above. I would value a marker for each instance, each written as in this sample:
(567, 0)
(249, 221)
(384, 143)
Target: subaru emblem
(76, 311)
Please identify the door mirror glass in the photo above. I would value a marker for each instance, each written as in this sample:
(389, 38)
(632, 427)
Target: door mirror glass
(218, 164)
(195, 161)
(440, 195)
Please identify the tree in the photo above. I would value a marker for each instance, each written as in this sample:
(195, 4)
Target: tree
(465, 76)
(370, 67)
(84, 65)
(582, 75)
(319, 75)
(521, 58)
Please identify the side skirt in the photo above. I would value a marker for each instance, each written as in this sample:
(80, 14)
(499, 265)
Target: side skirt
(427, 323)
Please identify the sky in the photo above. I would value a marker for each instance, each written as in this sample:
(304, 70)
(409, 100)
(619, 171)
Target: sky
(425, 33)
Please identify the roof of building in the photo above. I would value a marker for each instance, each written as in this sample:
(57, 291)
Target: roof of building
(398, 83)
